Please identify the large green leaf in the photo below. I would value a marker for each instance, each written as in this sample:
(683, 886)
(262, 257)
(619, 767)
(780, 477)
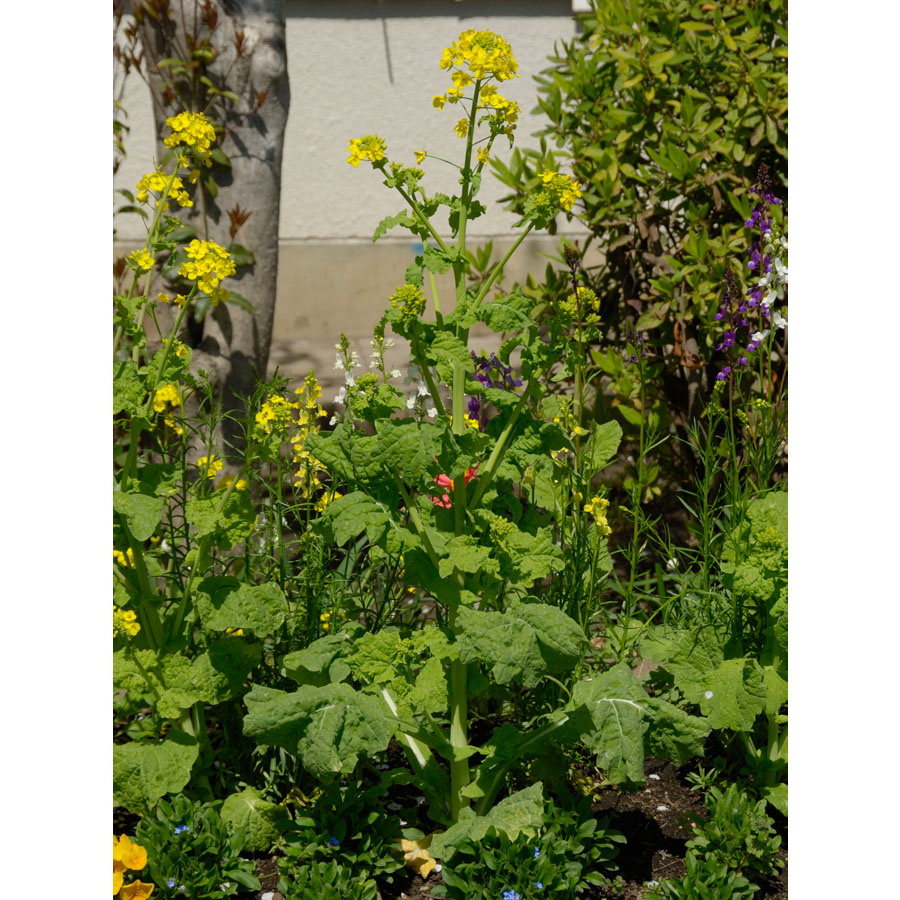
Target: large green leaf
(329, 727)
(355, 513)
(674, 734)
(523, 644)
(520, 813)
(144, 771)
(140, 512)
(408, 447)
(224, 602)
(619, 714)
(229, 524)
(735, 694)
(129, 392)
(448, 351)
(264, 821)
(604, 443)
(323, 660)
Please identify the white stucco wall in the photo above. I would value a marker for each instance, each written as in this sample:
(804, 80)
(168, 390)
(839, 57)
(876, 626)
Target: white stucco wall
(363, 66)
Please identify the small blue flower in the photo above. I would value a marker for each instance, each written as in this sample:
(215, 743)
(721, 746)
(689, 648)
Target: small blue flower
(511, 895)
(334, 842)
(180, 828)
(538, 885)
(170, 883)
(537, 852)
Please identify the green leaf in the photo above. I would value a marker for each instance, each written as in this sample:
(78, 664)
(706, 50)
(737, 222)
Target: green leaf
(438, 260)
(776, 691)
(738, 694)
(673, 733)
(524, 643)
(264, 821)
(323, 660)
(696, 26)
(402, 218)
(354, 513)
(212, 677)
(777, 796)
(604, 443)
(241, 302)
(329, 727)
(129, 392)
(159, 479)
(241, 255)
(233, 523)
(467, 555)
(619, 712)
(409, 447)
(224, 602)
(140, 512)
(520, 813)
(144, 771)
(448, 350)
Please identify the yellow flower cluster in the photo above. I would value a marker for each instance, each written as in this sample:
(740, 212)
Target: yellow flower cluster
(587, 299)
(561, 189)
(208, 264)
(157, 181)
(275, 414)
(225, 483)
(484, 53)
(324, 619)
(126, 559)
(167, 394)
(310, 411)
(125, 622)
(507, 110)
(194, 131)
(597, 508)
(410, 300)
(209, 466)
(127, 855)
(370, 146)
(142, 260)
(327, 498)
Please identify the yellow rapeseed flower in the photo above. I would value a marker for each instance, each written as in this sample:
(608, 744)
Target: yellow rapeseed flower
(484, 53)
(209, 466)
(126, 559)
(562, 189)
(208, 263)
(420, 156)
(142, 260)
(125, 622)
(462, 127)
(167, 394)
(483, 155)
(597, 508)
(438, 101)
(275, 414)
(194, 131)
(369, 146)
(225, 483)
(157, 181)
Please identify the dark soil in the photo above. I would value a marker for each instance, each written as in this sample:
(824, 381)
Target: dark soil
(654, 820)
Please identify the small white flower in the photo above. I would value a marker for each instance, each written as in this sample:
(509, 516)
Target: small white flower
(778, 320)
(432, 412)
(422, 388)
(402, 823)
(354, 360)
(341, 395)
(395, 373)
(783, 241)
(708, 695)
(332, 420)
(759, 336)
(769, 299)
(438, 867)
(411, 402)
(671, 565)
(338, 362)
(781, 271)
(349, 379)
(655, 777)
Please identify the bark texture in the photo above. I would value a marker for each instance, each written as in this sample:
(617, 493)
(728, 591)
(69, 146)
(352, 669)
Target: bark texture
(248, 57)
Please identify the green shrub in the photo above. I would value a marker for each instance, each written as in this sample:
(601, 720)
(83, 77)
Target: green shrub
(664, 110)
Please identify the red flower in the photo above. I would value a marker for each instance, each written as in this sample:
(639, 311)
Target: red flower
(445, 482)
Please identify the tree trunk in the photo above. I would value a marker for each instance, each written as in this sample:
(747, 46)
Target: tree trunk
(247, 40)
